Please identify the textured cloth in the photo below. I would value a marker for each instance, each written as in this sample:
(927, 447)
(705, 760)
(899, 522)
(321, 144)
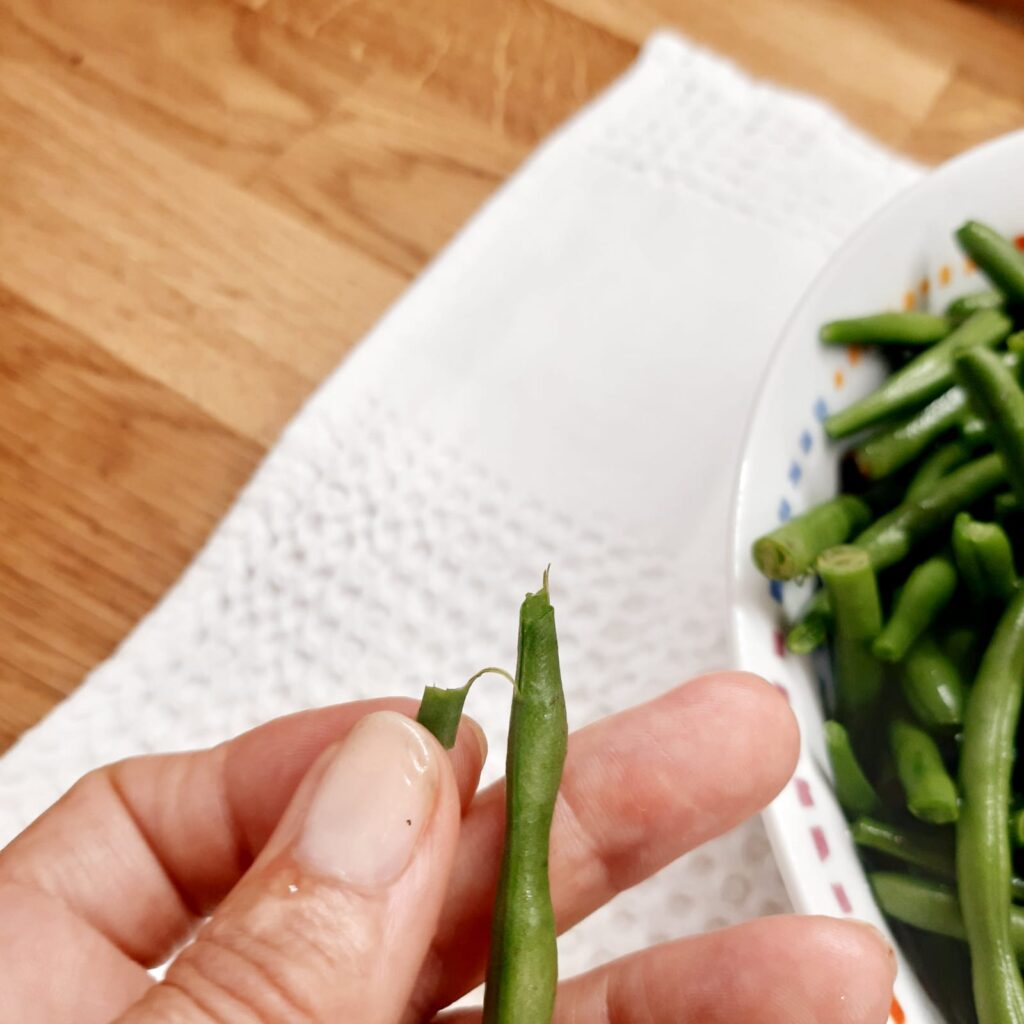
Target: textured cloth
(567, 383)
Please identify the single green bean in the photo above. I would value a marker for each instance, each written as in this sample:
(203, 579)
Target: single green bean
(961, 308)
(997, 397)
(922, 378)
(1015, 343)
(854, 792)
(984, 557)
(996, 255)
(983, 844)
(894, 447)
(812, 627)
(931, 793)
(909, 328)
(932, 907)
(853, 592)
(522, 973)
(928, 589)
(931, 849)
(790, 550)
(932, 686)
(889, 539)
(939, 464)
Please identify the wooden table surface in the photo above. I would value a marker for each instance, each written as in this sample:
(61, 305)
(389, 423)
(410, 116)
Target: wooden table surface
(205, 203)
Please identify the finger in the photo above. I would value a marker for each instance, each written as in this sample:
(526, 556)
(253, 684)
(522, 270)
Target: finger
(640, 789)
(143, 849)
(334, 918)
(784, 970)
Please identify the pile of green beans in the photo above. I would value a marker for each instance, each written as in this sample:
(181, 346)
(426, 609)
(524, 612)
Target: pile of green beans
(522, 972)
(921, 608)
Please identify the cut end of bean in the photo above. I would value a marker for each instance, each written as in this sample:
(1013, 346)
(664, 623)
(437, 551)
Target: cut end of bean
(773, 559)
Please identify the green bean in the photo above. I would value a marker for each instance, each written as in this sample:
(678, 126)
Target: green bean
(997, 397)
(890, 538)
(932, 686)
(931, 849)
(1015, 343)
(910, 328)
(983, 844)
(854, 792)
(811, 629)
(996, 255)
(790, 550)
(928, 589)
(853, 592)
(931, 793)
(961, 308)
(984, 557)
(922, 378)
(891, 449)
(522, 974)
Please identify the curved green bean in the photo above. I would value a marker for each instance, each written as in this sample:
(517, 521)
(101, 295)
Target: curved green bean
(922, 378)
(928, 589)
(982, 835)
(931, 793)
(522, 974)
(910, 328)
(999, 259)
(853, 790)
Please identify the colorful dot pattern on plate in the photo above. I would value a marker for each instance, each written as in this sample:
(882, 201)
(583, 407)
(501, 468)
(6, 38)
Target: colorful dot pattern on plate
(913, 298)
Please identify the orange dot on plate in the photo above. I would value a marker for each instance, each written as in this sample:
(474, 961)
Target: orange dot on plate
(909, 300)
(853, 353)
(970, 266)
(945, 274)
(924, 286)
(896, 1012)
(1019, 242)
(838, 379)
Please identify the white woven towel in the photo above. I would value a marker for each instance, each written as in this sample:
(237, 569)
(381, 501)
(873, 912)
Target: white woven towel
(567, 383)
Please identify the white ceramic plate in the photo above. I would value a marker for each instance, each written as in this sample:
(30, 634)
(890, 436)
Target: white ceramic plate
(904, 255)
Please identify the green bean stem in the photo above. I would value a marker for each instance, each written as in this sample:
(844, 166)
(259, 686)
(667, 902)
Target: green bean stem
(854, 792)
(998, 399)
(790, 550)
(928, 589)
(962, 307)
(984, 557)
(982, 836)
(522, 973)
(996, 255)
(931, 793)
(911, 328)
(923, 377)
(932, 686)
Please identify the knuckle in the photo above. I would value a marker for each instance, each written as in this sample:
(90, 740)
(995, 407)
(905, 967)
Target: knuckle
(285, 958)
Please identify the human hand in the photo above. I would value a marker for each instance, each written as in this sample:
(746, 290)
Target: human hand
(348, 866)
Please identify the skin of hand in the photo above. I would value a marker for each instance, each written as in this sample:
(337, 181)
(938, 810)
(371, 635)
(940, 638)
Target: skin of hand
(338, 865)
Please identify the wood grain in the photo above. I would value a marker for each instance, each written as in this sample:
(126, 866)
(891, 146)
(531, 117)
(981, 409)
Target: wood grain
(205, 203)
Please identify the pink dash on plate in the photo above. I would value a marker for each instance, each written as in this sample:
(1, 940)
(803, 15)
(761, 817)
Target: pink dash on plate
(803, 792)
(841, 898)
(780, 643)
(820, 842)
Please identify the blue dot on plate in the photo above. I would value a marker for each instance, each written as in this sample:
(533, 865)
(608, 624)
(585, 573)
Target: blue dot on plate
(784, 510)
(795, 472)
(805, 441)
(820, 410)
(775, 589)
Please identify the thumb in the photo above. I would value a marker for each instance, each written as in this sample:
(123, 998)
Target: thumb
(333, 920)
